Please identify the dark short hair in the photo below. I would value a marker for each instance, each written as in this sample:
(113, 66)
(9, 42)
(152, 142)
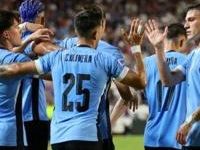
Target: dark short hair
(6, 20)
(193, 7)
(88, 19)
(175, 30)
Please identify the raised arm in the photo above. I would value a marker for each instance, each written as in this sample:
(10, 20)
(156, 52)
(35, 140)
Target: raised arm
(156, 37)
(134, 40)
(129, 99)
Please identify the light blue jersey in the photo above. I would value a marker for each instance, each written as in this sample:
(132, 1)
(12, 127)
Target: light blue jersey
(104, 124)
(34, 99)
(8, 92)
(167, 106)
(191, 69)
(79, 77)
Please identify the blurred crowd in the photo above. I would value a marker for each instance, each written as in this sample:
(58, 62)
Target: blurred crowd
(59, 17)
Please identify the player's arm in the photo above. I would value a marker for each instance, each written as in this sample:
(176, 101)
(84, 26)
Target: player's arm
(15, 69)
(46, 77)
(43, 48)
(121, 106)
(22, 69)
(39, 35)
(40, 66)
(186, 126)
(134, 39)
(117, 111)
(134, 79)
(129, 99)
(156, 37)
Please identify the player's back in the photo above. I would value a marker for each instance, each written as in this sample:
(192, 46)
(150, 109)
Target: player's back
(167, 105)
(8, 92)
(104, 113)
(79, 76)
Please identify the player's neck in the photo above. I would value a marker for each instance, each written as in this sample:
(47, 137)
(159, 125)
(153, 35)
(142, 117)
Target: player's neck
(90, 43)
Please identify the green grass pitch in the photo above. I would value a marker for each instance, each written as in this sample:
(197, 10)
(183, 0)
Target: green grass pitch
(129, 142)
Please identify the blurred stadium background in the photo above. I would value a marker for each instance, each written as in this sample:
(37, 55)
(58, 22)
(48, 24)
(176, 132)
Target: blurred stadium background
(129, 128)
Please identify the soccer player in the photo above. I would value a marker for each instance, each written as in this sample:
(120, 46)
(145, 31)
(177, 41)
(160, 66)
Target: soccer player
(188, 71)
(104, 125)
(79, 76)
(9, 38)
(167, 105)
(33, 93)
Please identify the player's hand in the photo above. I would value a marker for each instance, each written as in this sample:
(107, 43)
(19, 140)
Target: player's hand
(136, 33)
(132, 103)
(28, 26)
(153, 33)
(41, 35)
(182, 133)
(33, 26)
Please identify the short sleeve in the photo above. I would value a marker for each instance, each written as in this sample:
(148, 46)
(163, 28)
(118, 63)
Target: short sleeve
(45, 63)
(117, 54)
(114, 67)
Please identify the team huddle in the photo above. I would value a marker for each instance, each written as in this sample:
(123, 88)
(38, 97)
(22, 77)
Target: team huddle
(82, 68)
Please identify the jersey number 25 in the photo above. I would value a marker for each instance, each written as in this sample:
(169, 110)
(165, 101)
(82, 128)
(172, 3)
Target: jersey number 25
(78, 79)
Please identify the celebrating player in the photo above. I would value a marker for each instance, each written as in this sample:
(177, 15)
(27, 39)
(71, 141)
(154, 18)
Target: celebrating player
(167, 105)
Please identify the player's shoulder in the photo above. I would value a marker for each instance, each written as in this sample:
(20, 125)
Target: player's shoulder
(103, 43)
(102, 54)
(107, 47)
(68, 42)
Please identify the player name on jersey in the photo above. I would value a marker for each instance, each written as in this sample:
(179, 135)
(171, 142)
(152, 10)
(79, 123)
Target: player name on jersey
(78, 58)
(172, 61)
